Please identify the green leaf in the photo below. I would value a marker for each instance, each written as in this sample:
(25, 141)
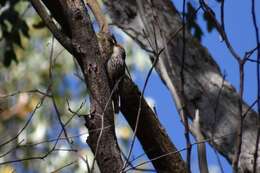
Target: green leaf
(39, 25)
(210, 24)
(192, 22)
(11, 15)
(16, 38)
(24, 29)
(9, 56)
(3, 2)
(198, 33)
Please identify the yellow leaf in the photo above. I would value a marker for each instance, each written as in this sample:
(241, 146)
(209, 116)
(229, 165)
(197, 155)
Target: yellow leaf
(123, 132)
(7, 169)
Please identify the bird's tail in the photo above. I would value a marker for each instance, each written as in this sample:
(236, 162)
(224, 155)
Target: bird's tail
(116, 102)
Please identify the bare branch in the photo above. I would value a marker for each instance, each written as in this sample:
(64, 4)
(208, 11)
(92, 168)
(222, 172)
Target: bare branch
(59, 35)
(258, 85)
(150, 132)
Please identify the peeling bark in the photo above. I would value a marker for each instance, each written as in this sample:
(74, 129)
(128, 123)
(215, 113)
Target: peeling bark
(205, 88)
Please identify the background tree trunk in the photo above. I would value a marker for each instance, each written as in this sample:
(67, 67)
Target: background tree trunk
(204, 87)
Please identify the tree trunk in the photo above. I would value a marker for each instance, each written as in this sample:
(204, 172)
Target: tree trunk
(77, 26)
(103, 141)
(204, 87)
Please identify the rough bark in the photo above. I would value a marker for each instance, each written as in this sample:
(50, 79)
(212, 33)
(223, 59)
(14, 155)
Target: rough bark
(150, 133)
(155, 142)
(204, 87)
(85, 49)
(102, 116)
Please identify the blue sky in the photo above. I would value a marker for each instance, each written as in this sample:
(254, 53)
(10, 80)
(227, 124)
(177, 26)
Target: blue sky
(240, 31)
(239, 28)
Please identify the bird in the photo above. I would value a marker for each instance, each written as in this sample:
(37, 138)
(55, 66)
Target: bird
(115, 67)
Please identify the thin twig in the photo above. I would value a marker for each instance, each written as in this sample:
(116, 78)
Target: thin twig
(139, 108)
(251, 52)
(241, 63)
(102, 119)
(219, 28)
(12, 149)
(65, 166)
(183, 149)
(28, 91)
(52, 98)
(241, 120)
(59, 35)
(26, 123)
(258, 85)
(222, 14)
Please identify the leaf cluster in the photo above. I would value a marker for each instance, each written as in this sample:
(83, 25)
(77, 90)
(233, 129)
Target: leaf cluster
(12, 28)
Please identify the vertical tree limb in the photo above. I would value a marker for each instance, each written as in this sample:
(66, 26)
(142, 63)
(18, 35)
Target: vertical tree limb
(85, 49)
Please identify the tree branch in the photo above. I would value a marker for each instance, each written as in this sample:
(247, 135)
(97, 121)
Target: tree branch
(58, 34)
(203, 79)
(150, 132)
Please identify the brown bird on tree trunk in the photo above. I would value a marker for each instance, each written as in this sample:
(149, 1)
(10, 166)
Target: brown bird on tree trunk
(115, 70)
(115, 63)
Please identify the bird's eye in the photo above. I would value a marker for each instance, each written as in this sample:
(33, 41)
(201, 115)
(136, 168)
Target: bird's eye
(114, 39)
(111, 40)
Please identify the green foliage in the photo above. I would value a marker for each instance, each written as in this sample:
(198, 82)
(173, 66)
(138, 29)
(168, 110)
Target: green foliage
(209, 22)
(21, 42)
(12, 28)
(9, 55)
(192, 22)
(39, 25)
